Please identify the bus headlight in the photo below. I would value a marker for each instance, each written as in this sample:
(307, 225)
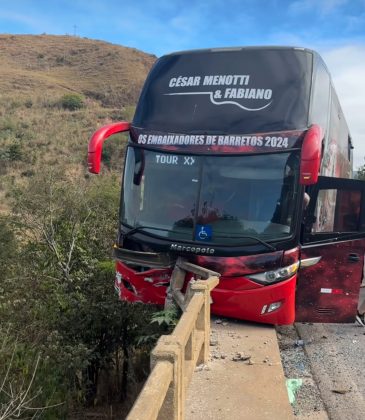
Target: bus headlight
(269, 277)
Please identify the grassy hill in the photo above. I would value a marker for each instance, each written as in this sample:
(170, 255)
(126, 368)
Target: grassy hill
(36, 130)
(112, 74)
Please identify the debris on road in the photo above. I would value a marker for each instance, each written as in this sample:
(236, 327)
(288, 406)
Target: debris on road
(240, 357)
(201, 367)
(341, 391)
(292, 385)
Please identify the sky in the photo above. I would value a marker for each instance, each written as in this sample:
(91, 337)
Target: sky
(335, 28)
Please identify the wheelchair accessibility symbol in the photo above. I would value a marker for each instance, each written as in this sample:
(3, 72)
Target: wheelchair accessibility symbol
(203, 233)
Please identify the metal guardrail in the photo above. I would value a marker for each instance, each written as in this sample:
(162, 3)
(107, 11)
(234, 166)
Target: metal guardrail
(175, 356)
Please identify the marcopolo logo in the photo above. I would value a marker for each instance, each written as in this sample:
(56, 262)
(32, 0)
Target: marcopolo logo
(193, 249)
(226, 89)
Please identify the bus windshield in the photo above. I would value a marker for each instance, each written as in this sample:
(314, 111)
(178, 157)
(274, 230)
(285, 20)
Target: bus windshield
(215, 199)
(227, 92)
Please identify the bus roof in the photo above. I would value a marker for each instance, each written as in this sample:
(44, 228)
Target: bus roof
(242, 48)
(250, 47)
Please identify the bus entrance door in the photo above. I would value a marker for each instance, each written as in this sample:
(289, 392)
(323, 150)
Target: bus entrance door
(332, 254)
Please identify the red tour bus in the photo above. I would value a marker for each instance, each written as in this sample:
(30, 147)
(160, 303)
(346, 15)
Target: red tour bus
(240, 160)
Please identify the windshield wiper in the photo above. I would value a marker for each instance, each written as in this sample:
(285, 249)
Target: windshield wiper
(139, 228)
(272, 248)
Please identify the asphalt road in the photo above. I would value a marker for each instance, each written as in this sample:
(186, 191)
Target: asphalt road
(329, 362)
(336, 355)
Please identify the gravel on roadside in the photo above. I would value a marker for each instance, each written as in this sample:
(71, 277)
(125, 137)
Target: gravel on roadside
(308, 402)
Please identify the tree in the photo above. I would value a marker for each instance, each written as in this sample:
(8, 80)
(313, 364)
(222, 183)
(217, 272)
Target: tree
(63, 306)
(360, 173)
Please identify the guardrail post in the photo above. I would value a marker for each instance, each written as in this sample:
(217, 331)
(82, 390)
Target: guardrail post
(172, 408)
(203, 320)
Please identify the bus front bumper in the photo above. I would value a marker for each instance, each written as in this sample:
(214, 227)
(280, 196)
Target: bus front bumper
(271, 304)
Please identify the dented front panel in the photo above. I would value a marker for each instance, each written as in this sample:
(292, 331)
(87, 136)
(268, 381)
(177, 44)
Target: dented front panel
(236, 295)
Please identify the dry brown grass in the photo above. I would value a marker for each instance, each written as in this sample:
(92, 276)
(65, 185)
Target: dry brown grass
(59, 64)
(35, 72)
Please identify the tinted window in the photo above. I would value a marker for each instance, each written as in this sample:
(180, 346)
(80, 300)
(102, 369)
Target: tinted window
(337, 211)
(240, 91)
(320, 101)
(227, 198)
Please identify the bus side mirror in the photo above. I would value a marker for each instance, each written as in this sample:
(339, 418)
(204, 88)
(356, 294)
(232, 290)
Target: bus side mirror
(311, 155)
(97, 140)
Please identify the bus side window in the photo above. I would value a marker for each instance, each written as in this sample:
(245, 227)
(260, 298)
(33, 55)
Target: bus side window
(347, 214)
(320, 97)
(337, 211)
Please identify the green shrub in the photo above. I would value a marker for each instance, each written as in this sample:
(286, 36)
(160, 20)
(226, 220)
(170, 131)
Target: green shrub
(12, 152)
(72, 102)
(28, 103)
(7, 127)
